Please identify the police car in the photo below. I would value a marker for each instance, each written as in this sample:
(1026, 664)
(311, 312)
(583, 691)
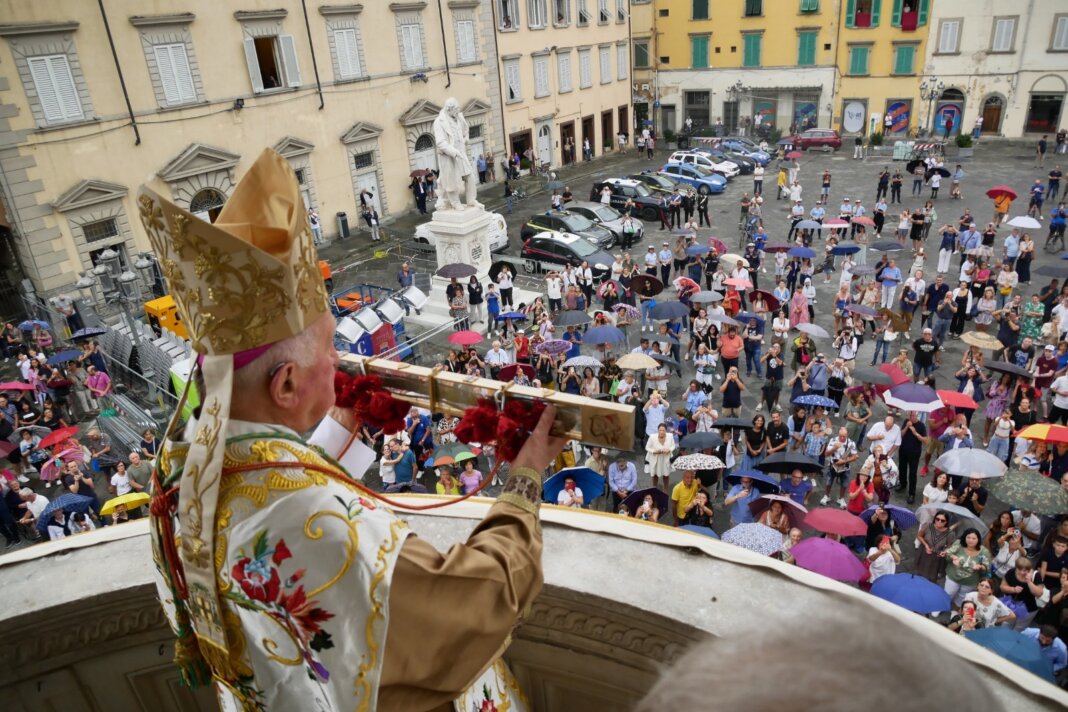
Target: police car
(646, 202)
(550, 250)
(698, 158)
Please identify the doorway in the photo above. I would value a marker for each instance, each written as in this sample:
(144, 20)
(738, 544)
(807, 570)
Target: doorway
(641, 115)
(520, 142)
(992, 110)
(730, 115)
(607, 134)
(624, 124)
(1044, 113)
(424, 154)
(587, 134)
(545, 144)
(568, 151)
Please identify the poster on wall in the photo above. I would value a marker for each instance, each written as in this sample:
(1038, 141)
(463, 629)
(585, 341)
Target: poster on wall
(945, 112)
(853, 117)
(805, 115)
(764, 112)
(899, 114)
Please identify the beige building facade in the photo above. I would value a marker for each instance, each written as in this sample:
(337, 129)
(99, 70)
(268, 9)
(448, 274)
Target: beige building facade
(184, 94)
(565, 72)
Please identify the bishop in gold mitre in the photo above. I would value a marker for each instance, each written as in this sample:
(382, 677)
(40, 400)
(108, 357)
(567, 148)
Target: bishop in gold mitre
(286, 586)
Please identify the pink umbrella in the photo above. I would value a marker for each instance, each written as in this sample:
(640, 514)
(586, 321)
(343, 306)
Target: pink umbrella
(685, 284)
(466, 338)
(16, 386)
(864, 220)
(835, 521)
(738, 282)
(793, 154)
(7, 448)
(794, 511)
(553, 347)
(835, 222)
(718, 244)
(830, 558)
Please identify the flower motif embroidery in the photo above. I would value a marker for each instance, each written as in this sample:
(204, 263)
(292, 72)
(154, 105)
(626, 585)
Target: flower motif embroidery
(263, 589)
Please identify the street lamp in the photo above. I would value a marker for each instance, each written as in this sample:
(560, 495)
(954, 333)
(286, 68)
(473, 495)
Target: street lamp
(931, 89)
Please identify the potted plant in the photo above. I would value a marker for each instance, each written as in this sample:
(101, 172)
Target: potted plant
(965, 147)
(669, 137)
(876, 139)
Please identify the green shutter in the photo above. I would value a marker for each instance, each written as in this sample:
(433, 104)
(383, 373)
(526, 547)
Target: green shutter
(922, 19)
(851, 11)
(700, 9)
(876, 6)
(751, 55)
(858, 61)
(895, 19)
(903, 59)
(810, 5)
(699, 52)
(806, 49)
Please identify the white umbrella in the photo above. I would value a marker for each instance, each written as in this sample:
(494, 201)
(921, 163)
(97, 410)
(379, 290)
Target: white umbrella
(968, 520)
(814, 330)
(971, 462)
(1025, 221)
(697, 461)
(583, 362)
(732, 259)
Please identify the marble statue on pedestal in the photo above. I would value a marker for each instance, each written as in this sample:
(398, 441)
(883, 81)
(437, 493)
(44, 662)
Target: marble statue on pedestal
(458, 180)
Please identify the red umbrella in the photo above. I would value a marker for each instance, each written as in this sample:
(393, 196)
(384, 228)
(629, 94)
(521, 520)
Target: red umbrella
(418, 172)
(15, 386)
(863, 220)
(58, 436)
(999, 190)
(835, 521)
(770, 299)
(508, 372)
(895, 373)
(793, 154)
(738, 282)
(718, 244)
(953, 399)
(835, 222)
(794, 511)
(465, 338)
(685, 284)
(7, 448)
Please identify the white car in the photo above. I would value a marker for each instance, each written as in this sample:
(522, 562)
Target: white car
(724, 168)
(497, 233)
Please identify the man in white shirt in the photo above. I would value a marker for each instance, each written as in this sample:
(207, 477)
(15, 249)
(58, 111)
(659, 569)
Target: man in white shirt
(570, 495)
(858, 212)
(569, 277)
(554, 287)
(617, 268)
(886, 433)
(1060, 313)
(25, 366)
(845, 210)
(797, 214)
(917, 283)
(33, 504)
(650, 261)
(1030, 526)
(1059, 412)
(496, 359)
(643, 347)
(795, 192)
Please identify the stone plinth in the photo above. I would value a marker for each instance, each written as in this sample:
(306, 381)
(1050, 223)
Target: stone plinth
(462, 236)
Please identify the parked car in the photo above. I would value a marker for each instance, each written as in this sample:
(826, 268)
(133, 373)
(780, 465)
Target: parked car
(566, 221)
(607, 217)
(695, 176)
(825, 139)
(656, 182)
(724, 156)
(699, 158)
(647, 202)
(747, 148)
(497, 234)
(551, 250)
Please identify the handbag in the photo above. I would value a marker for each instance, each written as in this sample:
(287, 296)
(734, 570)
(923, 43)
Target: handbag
(614, 388)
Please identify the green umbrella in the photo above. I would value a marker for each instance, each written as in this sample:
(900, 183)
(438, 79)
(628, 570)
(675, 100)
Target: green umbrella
(1030, 490)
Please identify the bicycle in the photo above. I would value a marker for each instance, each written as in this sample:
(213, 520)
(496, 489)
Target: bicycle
(1055, 240)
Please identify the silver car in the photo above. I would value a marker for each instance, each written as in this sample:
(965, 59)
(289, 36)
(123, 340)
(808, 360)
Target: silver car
(607, 217)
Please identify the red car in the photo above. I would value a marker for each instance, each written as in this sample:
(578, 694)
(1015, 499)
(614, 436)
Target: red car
(826, 139)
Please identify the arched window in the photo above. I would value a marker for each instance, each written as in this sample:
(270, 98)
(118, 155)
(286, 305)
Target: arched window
(424, 143)
(208, 201)
(952, 95)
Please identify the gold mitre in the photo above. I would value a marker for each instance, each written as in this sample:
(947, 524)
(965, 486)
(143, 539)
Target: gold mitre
(252, 278)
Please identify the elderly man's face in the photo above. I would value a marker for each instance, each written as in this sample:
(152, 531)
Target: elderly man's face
(315, 384)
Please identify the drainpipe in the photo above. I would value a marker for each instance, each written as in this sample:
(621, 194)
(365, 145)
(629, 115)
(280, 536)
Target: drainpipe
(500, 81)
(445, 47)
(122, 79)
(311, 46)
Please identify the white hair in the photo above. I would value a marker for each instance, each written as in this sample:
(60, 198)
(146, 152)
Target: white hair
(300, 349)
(841, 671)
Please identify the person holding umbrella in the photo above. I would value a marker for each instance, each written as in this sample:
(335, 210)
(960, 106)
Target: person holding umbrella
(882, 559)
(738, 498)
(840, 453)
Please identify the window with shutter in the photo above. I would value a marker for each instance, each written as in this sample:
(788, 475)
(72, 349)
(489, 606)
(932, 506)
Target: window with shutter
(699, 52)
(585, 70)
(1060, 34)
(536, 13)
(1004, 29)
(751, 50)
(641, 54)
(465, 33)
(348, 54)
(511, 78)
(700, 9)
(948, 36)
(602, 11)
(56, 91)
(903, 59)
(174, 74)
(754, 8)
(289, 60)
(606, 65)
(622, 62)
(563, 65)
(810, 5)
(621, 10)
(858, 61)
(806, 48)
(562, 12)
(412, 46)
(541, 77)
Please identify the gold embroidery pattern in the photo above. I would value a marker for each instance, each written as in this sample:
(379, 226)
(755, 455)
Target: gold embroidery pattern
(193, 546)
(363, 686)
(522, 491)
(350, 546)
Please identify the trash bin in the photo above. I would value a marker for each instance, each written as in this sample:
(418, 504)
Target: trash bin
(343, 225)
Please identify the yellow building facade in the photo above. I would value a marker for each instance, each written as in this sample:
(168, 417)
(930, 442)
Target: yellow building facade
(184, 94)
(565, 76)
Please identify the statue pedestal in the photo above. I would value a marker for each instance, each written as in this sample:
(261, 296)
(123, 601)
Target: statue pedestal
(459, 236)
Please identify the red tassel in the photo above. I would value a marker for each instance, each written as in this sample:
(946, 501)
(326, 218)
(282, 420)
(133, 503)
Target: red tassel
(369, 401)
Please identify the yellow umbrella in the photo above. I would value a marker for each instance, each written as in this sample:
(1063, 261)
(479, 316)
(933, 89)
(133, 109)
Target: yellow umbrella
(639, 361)
(132, 500)
(981, 340)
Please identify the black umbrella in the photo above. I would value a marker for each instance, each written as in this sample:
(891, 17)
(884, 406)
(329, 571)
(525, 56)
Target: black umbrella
(786, 462)
(939, 170)
(572, 317)
(870, 374)
(910, 167)
(666, 360)
(1054, 270)
(646, 285)
(733, 423)
(1011, 368)
(701, 441)
(87, 333)
(457, 270)
(669, 310)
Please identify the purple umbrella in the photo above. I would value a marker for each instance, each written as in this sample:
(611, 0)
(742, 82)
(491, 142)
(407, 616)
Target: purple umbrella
(913, 396)
(553, 347)
(626, 311)
(904, 517)
(862, 310)
(830, 558)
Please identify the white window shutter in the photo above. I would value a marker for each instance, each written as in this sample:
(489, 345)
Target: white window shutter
(417, 46)
(466, 35)
(47, 94)
(166, 73)
(1060, 37)
(55, 87)
(253, 65)
(341, 49)
(187, 90)
(69, 100)
(289, 59)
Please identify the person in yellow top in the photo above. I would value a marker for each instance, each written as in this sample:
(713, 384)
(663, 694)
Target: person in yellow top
(447, 484)
(1002, 203)
(683, 493)
(781, 184)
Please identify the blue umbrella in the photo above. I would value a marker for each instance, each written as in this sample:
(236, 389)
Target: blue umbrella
(586, 479)
(87, 332)
(699, 530)
(669, 310)
(904, 517)
(912, 592)
(61, 357)
(765, 483)
(803, 252)
(697, 250)
(808, 225)
(757, 538)
(746, 317)
(30, 323)
(1014, 647)
(67, 502)
(845, 248)
(511, 315)
(815, 400)
(887, 246)
(606, 334)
